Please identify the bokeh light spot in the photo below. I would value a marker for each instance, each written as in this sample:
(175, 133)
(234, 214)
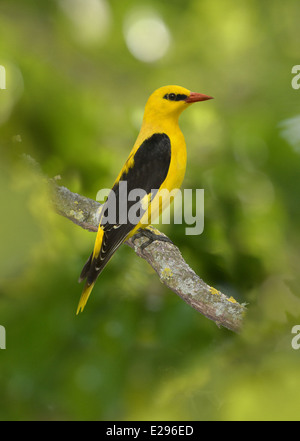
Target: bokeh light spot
(90, 19)
(147, 36)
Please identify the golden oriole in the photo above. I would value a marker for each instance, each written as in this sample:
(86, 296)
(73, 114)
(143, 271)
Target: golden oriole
(156, 162)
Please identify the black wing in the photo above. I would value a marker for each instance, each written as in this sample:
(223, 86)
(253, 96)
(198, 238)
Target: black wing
(149, 170)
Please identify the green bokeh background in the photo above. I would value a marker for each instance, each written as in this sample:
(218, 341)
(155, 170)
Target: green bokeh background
(74, 98)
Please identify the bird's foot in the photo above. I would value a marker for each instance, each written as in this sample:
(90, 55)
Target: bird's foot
(152, 235)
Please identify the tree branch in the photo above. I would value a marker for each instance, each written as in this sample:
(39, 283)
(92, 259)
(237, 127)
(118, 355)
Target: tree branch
(164, 257)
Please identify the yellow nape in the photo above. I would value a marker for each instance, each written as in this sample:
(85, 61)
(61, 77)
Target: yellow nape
(84, 297)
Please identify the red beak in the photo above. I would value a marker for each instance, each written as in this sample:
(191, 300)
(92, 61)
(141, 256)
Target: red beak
(194, 97)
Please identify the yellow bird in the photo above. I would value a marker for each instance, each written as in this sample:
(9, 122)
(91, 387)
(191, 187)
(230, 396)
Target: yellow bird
(156, 162)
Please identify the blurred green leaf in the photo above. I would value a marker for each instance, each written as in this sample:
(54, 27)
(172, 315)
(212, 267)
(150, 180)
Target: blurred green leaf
(74, 98)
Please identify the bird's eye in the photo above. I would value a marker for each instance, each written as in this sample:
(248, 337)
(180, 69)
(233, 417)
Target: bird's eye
(172, 96)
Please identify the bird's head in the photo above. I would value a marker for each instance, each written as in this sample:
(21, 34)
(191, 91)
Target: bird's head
(170, 101)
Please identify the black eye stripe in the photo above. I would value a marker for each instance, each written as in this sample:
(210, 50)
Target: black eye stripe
(174, 97)
(181, 97)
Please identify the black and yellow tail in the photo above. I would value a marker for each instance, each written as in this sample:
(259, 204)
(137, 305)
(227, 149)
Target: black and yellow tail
(88, 272)
(91, 271)
(84, 296)
(103, 252)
